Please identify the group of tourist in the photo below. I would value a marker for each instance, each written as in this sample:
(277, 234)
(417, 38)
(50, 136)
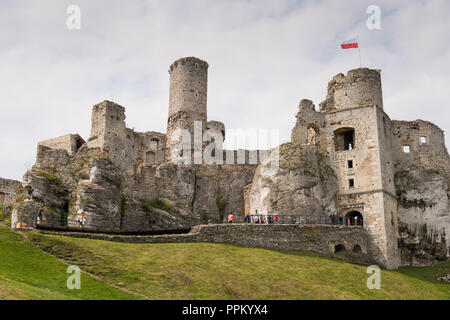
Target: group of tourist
(256, 218)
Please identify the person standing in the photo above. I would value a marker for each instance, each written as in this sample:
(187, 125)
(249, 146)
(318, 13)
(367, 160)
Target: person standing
(40, 215)
(276, 219)
(230, 218)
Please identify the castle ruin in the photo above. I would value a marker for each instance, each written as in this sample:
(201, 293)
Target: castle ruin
(347, 164)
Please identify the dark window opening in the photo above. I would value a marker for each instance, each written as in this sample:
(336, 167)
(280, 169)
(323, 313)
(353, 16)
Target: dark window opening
(339, 248)
(351, 183)
(357, 249)
(344, 139)
(354, 218)
(350, 164)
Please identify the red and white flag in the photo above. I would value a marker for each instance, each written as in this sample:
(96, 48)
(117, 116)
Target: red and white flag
(350, 44)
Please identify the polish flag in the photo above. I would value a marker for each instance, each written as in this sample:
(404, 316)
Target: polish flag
(350, 44)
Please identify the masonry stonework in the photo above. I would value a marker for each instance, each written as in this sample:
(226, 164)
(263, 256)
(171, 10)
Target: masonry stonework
(348, 164)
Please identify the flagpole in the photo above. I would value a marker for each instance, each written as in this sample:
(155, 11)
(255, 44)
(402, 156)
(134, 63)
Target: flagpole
(359, 51)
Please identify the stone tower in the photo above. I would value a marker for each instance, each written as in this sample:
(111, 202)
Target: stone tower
(360, 87)
(108, 123)
(359, 144)
(187, 99)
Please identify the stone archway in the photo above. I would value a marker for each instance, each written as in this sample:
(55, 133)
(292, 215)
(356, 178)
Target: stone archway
(354, 218)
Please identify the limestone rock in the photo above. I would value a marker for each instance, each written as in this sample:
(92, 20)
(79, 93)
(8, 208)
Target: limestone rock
(421, 245)
(301, 187)
(45, 187)
(422, 198)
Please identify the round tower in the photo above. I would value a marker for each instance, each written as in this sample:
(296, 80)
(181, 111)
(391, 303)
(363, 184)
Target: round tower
(187, 98)
(360, 87)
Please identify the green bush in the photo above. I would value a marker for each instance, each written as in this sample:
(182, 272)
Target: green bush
(50, 177)
(158, 203)
(5, 214)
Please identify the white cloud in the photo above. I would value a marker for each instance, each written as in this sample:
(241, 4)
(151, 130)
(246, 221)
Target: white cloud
(264, 57)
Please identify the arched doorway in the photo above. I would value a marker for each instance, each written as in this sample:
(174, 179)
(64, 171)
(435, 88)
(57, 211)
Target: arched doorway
(339, 248)
(353, 218)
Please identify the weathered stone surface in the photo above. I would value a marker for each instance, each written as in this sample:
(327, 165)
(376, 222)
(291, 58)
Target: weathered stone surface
(45, 187)
(423, 198)
(25, 215)
(421, 245)
(303, 185)
(8, 190)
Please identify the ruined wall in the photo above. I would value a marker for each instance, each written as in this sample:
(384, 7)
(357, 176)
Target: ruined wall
(128, 149)
(317, 238)
(422, 176)
(8, 191)
(309, 127)
(69, 142)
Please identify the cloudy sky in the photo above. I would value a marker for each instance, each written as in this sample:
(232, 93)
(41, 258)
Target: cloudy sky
(264, 57)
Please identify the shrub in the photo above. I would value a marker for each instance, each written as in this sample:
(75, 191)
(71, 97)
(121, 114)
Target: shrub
(158, 203)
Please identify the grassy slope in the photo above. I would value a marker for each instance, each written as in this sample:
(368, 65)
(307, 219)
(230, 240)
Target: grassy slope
(219, 271)
(28, 273)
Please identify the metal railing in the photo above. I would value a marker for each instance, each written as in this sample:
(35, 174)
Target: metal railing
(293, 219)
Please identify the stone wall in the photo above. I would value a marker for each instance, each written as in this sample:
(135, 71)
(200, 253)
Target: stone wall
(8, 191)
(422, 175)
(317, 238)
(69, 142)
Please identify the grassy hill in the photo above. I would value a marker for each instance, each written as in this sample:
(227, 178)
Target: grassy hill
(33, 266)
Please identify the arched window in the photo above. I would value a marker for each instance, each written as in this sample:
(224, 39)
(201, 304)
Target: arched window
(339, 248)
(357, 249)
(344, 139)
(353, 218)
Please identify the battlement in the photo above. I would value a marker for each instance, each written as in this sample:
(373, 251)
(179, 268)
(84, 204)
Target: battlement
(193, 61)
(360, 87)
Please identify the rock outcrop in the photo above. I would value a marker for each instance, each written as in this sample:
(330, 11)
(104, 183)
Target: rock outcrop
(423, 200)
(301, 189)
(421, 245)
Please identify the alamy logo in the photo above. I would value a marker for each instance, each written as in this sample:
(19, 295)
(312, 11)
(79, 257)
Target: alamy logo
(374, 281)
(374, 20)
(74, 20)
(74, 281)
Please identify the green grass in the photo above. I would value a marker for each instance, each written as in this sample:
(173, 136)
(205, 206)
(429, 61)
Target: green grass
(203, 271)
(26, 272)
